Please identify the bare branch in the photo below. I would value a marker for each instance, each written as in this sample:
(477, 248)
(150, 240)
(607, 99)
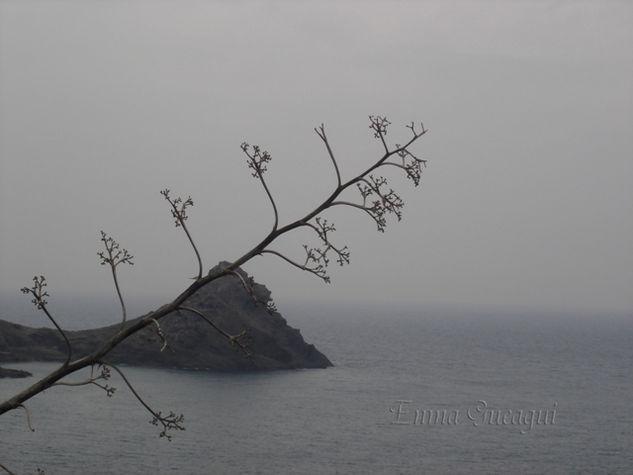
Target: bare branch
(28, 416)
(322, 228)
(258, 161)
(242, 340)
(416, 134)
(169, 422)
(179, 213)
(379, 125)
(115, 256)
(161, 335)
(104, 374)
(321, 133)
(386, 201)
(318, 270)
(39, 300)
(381, 222)
(389, 201)
(411, 164)
(248, 287)
(3, 467)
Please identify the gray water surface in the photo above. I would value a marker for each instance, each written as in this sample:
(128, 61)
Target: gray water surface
(345, 419)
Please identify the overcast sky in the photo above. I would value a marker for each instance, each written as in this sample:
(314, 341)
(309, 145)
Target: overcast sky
(527, 200)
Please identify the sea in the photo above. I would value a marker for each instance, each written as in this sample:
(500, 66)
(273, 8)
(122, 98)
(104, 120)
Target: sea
(414, 389)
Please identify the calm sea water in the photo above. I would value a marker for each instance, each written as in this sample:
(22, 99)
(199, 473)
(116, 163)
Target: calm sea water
(476, 380)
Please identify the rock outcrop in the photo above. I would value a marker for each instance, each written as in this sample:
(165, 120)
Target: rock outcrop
(192, 342)
(13, 373)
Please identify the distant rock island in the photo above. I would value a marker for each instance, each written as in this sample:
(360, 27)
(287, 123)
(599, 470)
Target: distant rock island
(192, 342)
(13, 373)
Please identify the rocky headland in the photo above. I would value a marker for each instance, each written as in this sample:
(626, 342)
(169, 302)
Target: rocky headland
(192, 342)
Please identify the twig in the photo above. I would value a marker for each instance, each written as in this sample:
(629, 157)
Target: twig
(319, 271)
(379, 125)
(258, 161)
(105, 375)
(380, 222)
(28, 416)
(40, 302)
(159, 331)
(179, 213)
(3, 467)
(321, 133)
(115, 256)
(169, 422)
(235, 340)
(270, 305)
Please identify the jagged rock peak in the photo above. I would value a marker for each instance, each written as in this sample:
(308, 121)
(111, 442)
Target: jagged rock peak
(192, 342)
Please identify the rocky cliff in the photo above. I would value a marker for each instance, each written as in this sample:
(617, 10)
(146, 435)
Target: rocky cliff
(192, 342)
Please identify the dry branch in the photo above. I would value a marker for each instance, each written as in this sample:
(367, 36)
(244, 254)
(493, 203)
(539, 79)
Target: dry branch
(377, 200)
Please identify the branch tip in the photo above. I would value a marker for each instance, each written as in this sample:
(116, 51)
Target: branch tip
(179, 213)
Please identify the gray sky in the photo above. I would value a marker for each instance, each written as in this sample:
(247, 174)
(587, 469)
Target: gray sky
(527, 200)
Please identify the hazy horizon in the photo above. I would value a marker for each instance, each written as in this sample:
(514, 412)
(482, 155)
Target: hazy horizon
(527, 201)
(85, 311)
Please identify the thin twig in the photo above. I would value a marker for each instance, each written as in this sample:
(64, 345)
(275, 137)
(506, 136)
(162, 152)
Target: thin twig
(3, 467)
(367, 210)
(105, 375)
(250, 291)
(115, 256)
(69, 348)
(195, 249)
(321, 133)
(171, 421)
(272, 201)
(180, 216)
(39, 300)
(28, 416)
(257, 161)
(159, 331)
(319, 272)
(233, 339)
